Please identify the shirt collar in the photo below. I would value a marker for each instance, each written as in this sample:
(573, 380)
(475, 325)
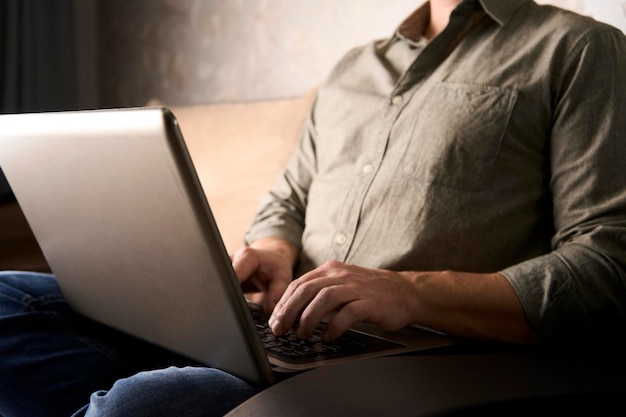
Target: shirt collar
(499, 10)
(412, 28)
(502, 10)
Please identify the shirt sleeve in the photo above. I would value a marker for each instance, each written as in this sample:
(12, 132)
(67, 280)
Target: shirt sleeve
(282, 211)
(579, 289)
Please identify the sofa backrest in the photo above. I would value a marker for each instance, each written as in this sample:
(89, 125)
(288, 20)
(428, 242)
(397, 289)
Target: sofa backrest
(239, 150)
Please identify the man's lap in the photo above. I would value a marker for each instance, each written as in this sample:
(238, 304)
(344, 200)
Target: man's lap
(54, 359)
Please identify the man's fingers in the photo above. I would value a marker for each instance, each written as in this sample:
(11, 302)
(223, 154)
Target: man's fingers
(311, 292)
(327, 300)
(353, 294)
(349, 315)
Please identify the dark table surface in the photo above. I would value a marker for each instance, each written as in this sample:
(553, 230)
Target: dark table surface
(511, 384)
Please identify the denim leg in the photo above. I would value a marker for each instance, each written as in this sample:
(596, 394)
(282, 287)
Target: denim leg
(52, 358)
(189, 392)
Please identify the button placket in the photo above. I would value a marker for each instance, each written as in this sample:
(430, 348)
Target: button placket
(397, 100)
(349, 220)
(341, 239)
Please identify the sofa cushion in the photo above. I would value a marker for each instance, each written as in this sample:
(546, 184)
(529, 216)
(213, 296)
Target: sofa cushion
(239, 150)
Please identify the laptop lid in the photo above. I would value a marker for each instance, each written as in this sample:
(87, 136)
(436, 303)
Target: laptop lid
(115, 203)
(116, 206)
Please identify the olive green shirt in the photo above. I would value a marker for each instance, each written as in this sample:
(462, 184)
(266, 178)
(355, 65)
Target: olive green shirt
(498, 146)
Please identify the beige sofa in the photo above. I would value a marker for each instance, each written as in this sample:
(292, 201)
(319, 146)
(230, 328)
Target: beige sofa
(238, 149)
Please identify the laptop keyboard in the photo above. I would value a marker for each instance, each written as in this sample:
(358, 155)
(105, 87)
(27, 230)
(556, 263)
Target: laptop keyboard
(292, 348)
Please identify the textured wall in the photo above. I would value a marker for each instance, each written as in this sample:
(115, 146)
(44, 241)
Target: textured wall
(199, 51)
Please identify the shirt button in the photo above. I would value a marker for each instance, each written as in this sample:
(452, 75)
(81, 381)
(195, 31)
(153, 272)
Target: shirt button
(367, 169)
(397, 100)
(340, 239)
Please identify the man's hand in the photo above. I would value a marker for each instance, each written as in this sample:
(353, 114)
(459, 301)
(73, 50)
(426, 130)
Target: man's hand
(380, 297)
(479, 306)
(267, 266)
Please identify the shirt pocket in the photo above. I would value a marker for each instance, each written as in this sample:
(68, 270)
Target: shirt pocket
(456, 138)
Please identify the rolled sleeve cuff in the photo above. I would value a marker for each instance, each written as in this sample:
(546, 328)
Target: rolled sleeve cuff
(537, 282)
(571, 292)
(277, 229)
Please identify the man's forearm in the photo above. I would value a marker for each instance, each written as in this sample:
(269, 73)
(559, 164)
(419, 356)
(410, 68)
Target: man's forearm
(478, 306)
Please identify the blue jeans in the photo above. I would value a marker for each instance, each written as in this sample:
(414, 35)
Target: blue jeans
(54, 362)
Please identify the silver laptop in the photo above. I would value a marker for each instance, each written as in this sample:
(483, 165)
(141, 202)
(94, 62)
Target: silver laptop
(115, 203)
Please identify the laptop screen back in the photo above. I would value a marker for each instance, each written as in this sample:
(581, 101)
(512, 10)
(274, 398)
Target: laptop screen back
(117, 208)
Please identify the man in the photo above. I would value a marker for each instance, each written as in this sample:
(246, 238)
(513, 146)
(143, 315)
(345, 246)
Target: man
(464, 175)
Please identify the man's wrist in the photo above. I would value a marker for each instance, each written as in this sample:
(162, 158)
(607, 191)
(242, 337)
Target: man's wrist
(480, 306)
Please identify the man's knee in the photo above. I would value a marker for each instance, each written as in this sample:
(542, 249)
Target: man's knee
(189, 391)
